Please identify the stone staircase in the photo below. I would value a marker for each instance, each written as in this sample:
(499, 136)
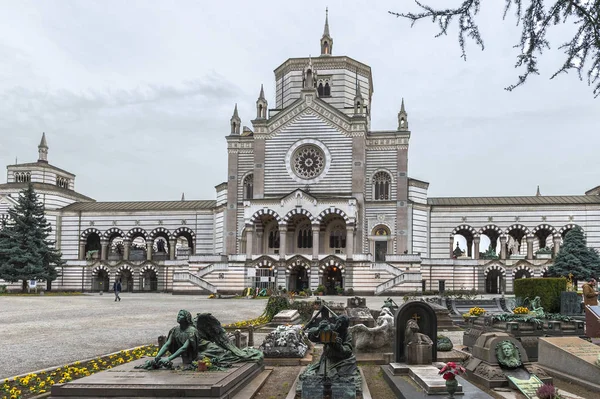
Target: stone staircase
(400, 278)
(195, 280)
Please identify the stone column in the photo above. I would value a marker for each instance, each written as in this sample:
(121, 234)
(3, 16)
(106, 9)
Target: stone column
(315, 243)
(282, 240)
(126, 248)
(149, 250)
(529, 247)
(451, 247)
(172, 246)
(81, 249)
(476, 241)
(104, 249)
(249, 240)
(556, 241)
(349, 241)
(260, 245)
(503, 247)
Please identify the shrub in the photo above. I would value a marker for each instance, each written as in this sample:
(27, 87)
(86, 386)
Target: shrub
(321, 288)
(548, 289)
(548, 391)
(349, 292)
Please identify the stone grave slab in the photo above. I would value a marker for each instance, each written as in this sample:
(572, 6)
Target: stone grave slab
(289, 316)
(592, 321)
(126, 381)
(527, 387)
(360, 316)
(571, 358)
(430, 380)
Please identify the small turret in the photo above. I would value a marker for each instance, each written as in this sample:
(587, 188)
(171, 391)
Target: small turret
(261, 105)
(402, 118)
(43, 149)
(236, 122)
(310, 76)
(359, 103)
(326, 39)
(538, 193)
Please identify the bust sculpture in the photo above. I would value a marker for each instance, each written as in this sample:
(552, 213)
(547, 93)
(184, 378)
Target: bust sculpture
(508, 354)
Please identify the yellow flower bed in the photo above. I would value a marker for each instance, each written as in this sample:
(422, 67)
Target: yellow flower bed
(35, 384)
(245, 323)
(521, 310)
(476, 311)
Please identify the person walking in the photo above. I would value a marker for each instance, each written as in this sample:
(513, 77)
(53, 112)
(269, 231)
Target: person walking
(117, 289)
(590, 295)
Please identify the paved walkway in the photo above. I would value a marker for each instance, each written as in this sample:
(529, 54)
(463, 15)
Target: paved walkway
(46, 331)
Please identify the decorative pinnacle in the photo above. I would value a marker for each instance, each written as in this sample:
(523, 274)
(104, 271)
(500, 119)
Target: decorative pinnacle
(326, 30)
(402, 106)
(235, 112)
(43, 143)
(538, 194)
(183, 196)
(262, 92)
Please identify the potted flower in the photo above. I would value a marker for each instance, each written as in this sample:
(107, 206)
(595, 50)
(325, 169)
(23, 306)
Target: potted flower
(339, 290)
(320, 289)
(449, 373)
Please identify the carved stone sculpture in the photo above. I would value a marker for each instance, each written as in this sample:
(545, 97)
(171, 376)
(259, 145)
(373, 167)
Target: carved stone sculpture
(413, 336)
(285, 341)
(508, 355)
(382, 335)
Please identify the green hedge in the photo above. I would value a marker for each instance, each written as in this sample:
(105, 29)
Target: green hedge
(548, 289)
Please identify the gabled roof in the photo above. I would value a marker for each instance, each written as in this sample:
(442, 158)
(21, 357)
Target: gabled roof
(525, 200)
(139, 206)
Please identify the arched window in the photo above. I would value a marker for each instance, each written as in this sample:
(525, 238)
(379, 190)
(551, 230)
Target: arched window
(304, 237)
(337, 238)
(249, 187)
(382, 183)
(327, 90)
(274, 238)
(325, 48)
(320, 89)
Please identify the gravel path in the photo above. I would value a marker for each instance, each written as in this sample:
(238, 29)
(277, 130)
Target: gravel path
(40, 332)
(37, 332)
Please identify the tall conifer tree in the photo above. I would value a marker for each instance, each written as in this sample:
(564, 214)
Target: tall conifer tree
(25, 251)
(574, 257)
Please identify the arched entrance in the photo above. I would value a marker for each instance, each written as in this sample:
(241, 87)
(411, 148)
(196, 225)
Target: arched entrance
(92, 246)
(149, 280)
(381, 235)
(125, 275)
(332, 270)
(264, 274)
(100, 281)
(522, 273)
(298, 271)
(494, 281)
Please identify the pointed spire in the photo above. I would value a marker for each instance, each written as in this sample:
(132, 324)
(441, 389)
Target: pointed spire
(183, 196)
(538, 194)
(235, 121)
(262, 92)
(326, 30)
(358, 93)
(326, 39)
(43, 149)
(43, 142)
(261, 104)
(402, 117)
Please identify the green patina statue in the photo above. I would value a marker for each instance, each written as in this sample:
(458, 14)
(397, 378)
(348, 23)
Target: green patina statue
(390, 304)
(508, 355)
(204, 338)
(337, 363)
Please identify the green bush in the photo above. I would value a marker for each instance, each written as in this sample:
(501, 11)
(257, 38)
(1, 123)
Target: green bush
(548, 289)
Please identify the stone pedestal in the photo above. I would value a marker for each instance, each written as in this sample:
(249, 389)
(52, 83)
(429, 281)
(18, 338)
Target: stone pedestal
(126, 381)
(418, 354)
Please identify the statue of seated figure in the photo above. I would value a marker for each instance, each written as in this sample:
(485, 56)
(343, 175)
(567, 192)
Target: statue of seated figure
(204, 338)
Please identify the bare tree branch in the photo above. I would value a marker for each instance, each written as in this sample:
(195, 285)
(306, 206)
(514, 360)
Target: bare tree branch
(536, 18)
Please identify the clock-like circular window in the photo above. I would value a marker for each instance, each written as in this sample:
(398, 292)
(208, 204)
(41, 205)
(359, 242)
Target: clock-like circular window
(308, 162)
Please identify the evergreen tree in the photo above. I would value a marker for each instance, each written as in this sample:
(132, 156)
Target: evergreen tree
(574, 257)
(25, 251)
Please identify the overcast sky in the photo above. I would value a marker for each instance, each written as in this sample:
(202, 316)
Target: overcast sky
(135, 97)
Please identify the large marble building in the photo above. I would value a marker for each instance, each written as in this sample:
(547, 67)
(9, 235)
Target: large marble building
(312, 196)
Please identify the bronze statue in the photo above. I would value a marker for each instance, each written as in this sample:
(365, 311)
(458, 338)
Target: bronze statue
(508, 354)
(204, 338)
(338, 358)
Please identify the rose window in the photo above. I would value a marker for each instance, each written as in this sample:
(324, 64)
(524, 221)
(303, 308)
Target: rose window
(308, 162)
